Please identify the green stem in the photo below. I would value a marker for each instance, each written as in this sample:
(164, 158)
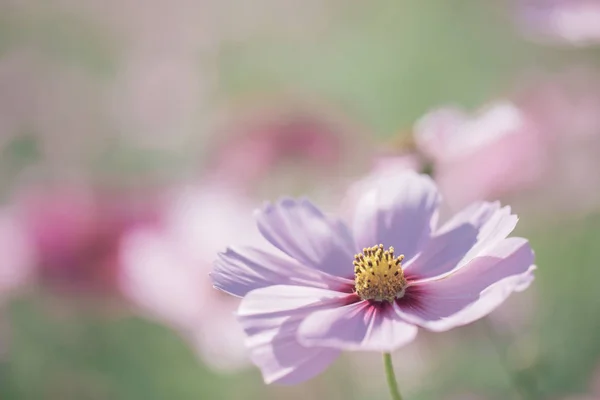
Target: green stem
(391, 378)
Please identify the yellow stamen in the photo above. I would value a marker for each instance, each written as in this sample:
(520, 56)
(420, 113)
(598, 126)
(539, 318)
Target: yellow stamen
(378, 275)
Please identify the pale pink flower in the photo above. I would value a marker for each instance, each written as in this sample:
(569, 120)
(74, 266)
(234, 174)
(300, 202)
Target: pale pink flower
(384, 167)
(69, 236)
(575, 22)
(323, 287)
(495, 152)
(254, 142)
(166, 270)
(17, 265)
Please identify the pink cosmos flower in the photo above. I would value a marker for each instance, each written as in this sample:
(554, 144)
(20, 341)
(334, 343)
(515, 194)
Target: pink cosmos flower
(570, 21)
(495, 152)
(165, 270)
(323, 286)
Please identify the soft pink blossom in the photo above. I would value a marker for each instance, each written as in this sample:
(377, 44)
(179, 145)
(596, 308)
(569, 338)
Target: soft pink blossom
(17, 265)
(285, 138)
(475, 157)
(166, 270)
(575, 22)
(69, 236)
(383, 167)
(304, 301)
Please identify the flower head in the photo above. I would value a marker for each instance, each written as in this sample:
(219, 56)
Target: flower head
(495, 152)
(322, 286)
(69, 236)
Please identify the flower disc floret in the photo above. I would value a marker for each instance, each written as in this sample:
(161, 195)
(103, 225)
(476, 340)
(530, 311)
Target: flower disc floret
(378, 274)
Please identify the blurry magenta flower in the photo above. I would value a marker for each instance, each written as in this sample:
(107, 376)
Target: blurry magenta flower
(494, 152)
(166, 270)
(384, 167)
(284, 137)
(323, 287)
(70, 235)
(575, 22)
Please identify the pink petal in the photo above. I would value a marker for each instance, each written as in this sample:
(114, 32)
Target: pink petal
(434, 132)
(281, 359)
(300, 229)
(383, 169)
(494, 151)
(271, 317)
(438, 304)
(242, 269)
(162, 280)
(442, 253)
(397, 212)
(493, 223)
(477, 214)
(18, 253)
(289, 300)
(358, 326)
(469, 233)
(488, 301)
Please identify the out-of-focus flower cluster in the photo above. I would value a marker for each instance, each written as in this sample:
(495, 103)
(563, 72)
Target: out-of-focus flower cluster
(538, 144)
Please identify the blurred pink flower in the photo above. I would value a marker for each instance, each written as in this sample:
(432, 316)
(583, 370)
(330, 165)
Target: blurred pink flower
(575, 22)
(70, 236)
(304, 301)
(495, 152)
(566, 109)
(255, 143)
(166, 270)
(384, 167)
(17, 264)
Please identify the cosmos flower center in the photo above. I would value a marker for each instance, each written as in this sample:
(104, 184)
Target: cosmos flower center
(378, 274)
